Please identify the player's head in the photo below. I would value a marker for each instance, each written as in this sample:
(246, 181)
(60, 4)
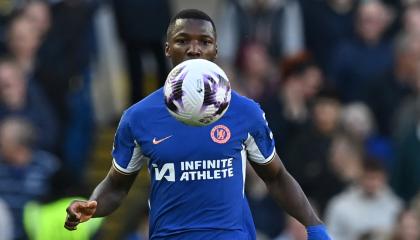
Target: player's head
(191, 34)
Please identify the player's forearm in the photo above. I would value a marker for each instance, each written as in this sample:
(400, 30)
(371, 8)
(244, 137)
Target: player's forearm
(290, 196)
(108, 197)
(111, 191)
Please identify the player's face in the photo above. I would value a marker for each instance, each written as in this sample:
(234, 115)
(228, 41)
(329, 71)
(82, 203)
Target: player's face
(191, 39)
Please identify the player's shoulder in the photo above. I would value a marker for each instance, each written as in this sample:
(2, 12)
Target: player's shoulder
(241, 101)
(244, 105)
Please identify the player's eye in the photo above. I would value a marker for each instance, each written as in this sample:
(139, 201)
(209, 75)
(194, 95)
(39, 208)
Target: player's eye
(180, 41)
(207, 42)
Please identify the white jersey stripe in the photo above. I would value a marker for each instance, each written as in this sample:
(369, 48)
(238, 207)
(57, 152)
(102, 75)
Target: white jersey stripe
(254, 153)
(243, 159)
(136, 162)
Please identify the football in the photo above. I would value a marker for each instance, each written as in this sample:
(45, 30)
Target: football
(197, 92)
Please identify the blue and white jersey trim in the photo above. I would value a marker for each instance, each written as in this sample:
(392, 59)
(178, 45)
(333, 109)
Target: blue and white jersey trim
(136, 162)
(254, 153)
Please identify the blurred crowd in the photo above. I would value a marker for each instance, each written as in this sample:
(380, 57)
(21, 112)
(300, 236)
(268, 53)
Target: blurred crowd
(339, 81)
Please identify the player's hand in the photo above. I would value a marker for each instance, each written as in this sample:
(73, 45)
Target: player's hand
(79, 211)
(317, 232)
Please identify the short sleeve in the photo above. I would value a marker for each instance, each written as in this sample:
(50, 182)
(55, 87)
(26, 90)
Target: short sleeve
(259, 145)
(126, 152)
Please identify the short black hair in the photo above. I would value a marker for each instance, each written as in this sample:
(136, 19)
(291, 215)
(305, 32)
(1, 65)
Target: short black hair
(189, 14)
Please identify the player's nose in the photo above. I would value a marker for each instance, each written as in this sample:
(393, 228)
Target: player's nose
(194, 50)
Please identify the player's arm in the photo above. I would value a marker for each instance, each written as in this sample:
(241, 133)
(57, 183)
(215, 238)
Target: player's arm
(106, 197)
(111, 191)
(287, 192)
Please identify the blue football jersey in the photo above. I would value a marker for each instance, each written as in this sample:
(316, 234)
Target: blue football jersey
(197, 173)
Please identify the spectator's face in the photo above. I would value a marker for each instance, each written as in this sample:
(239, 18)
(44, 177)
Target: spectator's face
(38, 14)
(326, 115)
(357, 121)
(372, 21)
(408, 227)
(12, 86)
(372, 182)
(191, 39)
(408, 58)
(312, 80)
(256, 61)
(8, 146)
(23, 39)
(10, 149)
(345, 159)
(411, 20)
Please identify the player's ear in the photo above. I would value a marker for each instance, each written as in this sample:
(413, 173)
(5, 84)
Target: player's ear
(217, 51)
(167, 49)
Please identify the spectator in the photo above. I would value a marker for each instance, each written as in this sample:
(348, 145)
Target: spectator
(354, 63)
(345, 158)
(288, 109)
(405, 117)
(411, 18)
(23, 41)
(6, 11)
(25, 172)
(368, 207)
(407, 227)
(398, 83)
(327, 23)
(406, 174)
(68, 36)
(63, 71)
(395, 84)
(139, 36)
(17, 98)
(307, 156)
(358, 123)
(38, 14)
(257, 77)
(277, 25)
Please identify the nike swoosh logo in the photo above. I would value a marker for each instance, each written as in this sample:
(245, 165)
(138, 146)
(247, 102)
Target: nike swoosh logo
(156, 141)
